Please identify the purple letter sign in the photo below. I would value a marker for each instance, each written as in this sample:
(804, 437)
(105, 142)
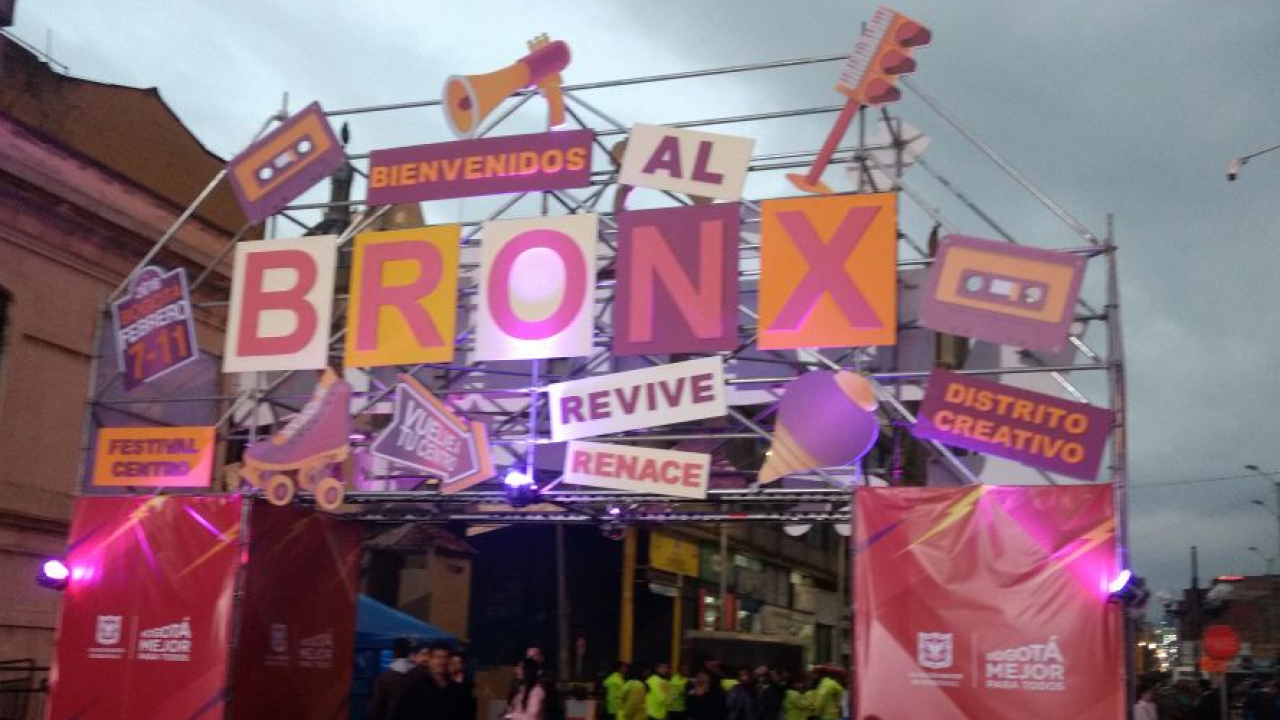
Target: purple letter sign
(677, 280)
(273, 171)
(155, 332)
(488, 166)
(1033, 428)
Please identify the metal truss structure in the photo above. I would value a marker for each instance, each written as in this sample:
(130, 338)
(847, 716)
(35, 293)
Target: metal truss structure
(510, 395)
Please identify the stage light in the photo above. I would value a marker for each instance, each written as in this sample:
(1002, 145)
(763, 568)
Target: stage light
(614, 511)
(54, 574)
(521, 489)
(1121, 580)
(614, 530)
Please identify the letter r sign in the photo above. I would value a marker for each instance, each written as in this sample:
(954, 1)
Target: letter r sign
(828, 271)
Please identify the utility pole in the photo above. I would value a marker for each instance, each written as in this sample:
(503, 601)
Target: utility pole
(1193, 612)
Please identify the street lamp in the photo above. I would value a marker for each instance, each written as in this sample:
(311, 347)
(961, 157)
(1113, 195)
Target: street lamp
(1235, 166)
(1271, 579)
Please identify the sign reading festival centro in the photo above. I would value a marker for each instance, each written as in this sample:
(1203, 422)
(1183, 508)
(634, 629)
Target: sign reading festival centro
(157, 457)
(1038, 430)
(487, 166)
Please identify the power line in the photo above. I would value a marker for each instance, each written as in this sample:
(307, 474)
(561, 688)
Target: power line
(1193, 481)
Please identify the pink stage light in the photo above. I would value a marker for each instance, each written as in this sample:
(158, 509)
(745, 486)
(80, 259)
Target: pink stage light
(54, 574)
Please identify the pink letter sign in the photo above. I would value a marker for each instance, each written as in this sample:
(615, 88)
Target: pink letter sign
(828, 274)
(637, 399)
(537, 277)
(677, 280)
(637, 469)
(686, 161)
(404, 297)
(281, 300)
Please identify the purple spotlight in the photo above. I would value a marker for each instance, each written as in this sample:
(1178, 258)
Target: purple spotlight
(516, 478)
(1120, 582)
(55, 569)
(53, 574)
(615, 511)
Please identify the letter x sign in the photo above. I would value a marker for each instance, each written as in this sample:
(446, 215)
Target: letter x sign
(828, 275)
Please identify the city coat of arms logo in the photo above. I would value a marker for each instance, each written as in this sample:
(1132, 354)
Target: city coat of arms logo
(934, 650)
(108, 631)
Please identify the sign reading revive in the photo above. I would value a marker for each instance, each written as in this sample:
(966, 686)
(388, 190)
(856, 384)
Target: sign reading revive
(637, 469)
(153, 457)
(1032, 428)
(155, 332)
(488, 166)
(635, 399)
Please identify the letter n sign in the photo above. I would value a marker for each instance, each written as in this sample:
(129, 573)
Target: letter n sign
(281, 301)
(537, 282)
(828, 274)
(677, 280)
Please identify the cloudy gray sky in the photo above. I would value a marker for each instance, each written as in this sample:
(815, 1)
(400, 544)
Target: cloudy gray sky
(1130, 107)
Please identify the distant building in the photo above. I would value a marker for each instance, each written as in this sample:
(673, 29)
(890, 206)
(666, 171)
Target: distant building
(91, 175)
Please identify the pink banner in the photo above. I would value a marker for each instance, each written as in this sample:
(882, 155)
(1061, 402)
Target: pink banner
(146, 615)
(986, 602)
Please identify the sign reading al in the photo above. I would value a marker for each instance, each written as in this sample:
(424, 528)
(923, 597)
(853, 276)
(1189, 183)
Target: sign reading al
(426, 435)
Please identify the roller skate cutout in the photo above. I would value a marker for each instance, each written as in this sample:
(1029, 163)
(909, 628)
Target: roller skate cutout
(309, 446)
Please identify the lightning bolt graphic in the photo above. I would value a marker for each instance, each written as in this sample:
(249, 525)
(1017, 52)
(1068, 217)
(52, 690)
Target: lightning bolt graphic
(135, 517)
(228, 536)
(954, 514)
(1089, 541)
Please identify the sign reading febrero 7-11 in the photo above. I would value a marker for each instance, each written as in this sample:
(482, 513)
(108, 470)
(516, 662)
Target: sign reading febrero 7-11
(154, 329)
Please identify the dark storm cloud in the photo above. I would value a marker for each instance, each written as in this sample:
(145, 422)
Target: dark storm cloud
(1129, 107)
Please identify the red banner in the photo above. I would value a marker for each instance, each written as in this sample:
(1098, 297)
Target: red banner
(297, 624)
(987, 602)
(146, 612)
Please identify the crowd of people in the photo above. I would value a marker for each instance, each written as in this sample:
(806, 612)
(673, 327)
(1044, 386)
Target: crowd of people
(427, 682)
(635, 691)
(433, 682)
(1186, 699)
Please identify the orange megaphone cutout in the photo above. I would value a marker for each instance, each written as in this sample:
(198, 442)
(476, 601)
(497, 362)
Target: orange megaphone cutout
(468, 99)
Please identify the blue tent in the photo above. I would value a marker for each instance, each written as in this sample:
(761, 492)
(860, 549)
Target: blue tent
(378, 625)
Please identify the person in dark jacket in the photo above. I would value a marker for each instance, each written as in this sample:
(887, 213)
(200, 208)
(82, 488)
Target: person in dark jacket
(432, 696)
(705, 700)
(463, 686)
(393, 685)
(741, 700)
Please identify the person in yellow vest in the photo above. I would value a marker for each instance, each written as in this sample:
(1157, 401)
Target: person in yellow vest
(658, 699)
(631, 699)
(830, 691)
(797, 703)
(613, 689)
(679, 691)
(810, 696)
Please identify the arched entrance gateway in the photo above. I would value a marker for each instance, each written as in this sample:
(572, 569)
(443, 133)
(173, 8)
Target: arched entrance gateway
(616, 410)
